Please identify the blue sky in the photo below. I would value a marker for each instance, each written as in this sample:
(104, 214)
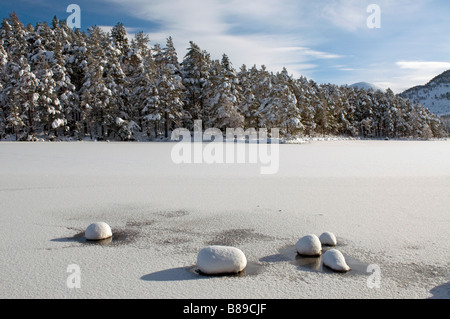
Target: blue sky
(327, 41)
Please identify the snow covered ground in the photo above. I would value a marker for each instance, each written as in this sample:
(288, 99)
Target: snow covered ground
(387, 202)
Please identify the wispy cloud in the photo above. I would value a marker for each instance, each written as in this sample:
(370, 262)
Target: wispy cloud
(325, 40)
(430, 66)
(222, 26)
(412, 73)
(349, 15)
(308, 52)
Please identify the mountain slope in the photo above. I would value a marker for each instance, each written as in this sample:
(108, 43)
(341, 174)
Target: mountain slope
(435, 95)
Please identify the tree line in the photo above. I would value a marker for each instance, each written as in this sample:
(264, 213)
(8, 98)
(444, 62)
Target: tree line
(59, 82)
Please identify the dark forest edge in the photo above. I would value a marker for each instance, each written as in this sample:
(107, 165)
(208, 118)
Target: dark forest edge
(62, 84)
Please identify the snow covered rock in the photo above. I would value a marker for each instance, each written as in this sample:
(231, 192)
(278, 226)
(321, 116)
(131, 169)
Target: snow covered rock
(309, 246)
(366, 86)
(98, 231)
(334, 259)
(328, 239)
(216, 260)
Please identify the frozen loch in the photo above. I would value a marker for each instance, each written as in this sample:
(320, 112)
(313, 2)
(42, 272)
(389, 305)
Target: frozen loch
(386, 200)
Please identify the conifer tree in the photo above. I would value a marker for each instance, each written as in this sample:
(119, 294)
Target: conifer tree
(168, 94)
(75, 55)
(22, 98)
(3, 57)
(363, 113)
(195, 73)
(76, 52)
(49, 110)
(120, 111)
(65, 90)
(334, 112)
(280, 108)
(46, 36)
(120, 39)
(306, 96)
(223, 93)
(14, 36)
(349, 125)
(140, 85)
(247, 99)
(3, 104)
(171, 88)
(95, 96)
(262, 85)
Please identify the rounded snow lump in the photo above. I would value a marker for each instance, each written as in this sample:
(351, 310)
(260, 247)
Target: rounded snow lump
(334, 259)
(328, 239)
(309, 246)
(98, 231)
(215, 260)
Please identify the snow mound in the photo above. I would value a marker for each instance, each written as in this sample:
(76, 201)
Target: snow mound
(328, 239)
(98, 231)
(309, 246)
(365, 86)
(216, 260)
(334, 259)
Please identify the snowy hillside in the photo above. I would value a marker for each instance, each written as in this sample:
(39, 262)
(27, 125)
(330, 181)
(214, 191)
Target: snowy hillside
(365, 86)
(435, 95)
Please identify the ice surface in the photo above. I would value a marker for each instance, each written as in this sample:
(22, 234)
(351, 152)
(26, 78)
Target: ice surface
(388, 201)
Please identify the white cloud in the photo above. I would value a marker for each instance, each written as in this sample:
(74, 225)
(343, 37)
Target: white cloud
(307, 37)
(349, 15)
(429, 66)
(413, 73)
(308, 52)
(407, 74)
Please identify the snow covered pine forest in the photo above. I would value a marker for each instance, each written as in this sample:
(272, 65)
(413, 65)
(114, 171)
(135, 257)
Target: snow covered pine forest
(57, 83)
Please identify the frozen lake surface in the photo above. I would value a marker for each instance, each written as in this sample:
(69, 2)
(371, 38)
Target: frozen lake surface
(387, 202)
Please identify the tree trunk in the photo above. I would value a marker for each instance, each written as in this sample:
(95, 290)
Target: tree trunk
(30, 121)
(166, 125)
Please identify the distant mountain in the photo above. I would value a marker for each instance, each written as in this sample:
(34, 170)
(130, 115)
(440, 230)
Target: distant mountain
(366, 86)
(435, 95)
